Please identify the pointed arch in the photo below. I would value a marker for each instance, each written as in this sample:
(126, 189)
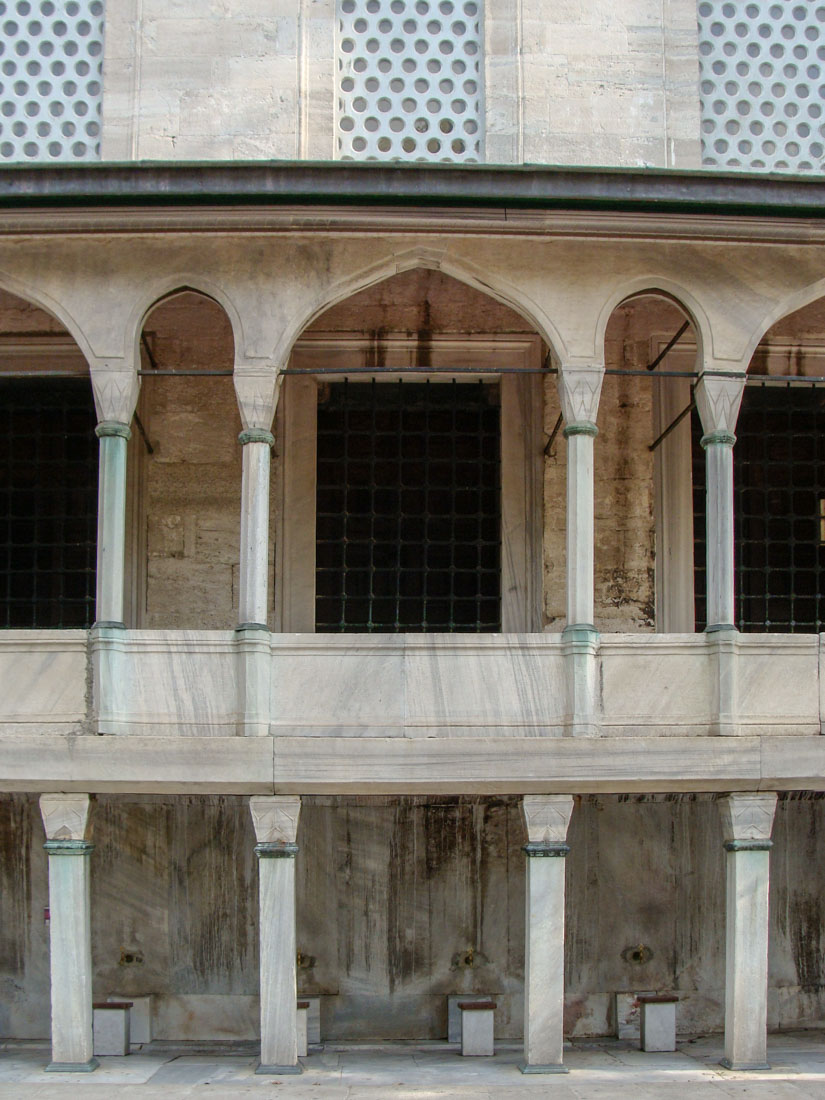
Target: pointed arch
(435, 260)
(51, 306)
(653, 286)
(172, 285)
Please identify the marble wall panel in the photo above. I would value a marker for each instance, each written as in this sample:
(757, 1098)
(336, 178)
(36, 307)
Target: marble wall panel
(778, 683)
(661, 683)
(340, 685)
(464, 685)
(43, 676)
(174, 684)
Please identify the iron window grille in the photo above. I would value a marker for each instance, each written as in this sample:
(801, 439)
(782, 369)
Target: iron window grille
(779, 489)
(48, 503)
(408, 526)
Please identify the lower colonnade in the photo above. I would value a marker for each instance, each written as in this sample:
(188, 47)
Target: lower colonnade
(746, 820)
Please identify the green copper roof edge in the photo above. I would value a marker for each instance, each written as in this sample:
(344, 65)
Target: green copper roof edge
(276, 183)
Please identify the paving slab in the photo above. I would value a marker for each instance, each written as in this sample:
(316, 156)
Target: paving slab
(424, 1071)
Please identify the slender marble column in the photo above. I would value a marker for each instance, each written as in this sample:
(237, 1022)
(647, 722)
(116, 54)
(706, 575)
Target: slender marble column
(547, 818)
(276, 826)
(718, 398)
(252, 604)
(747, 820)
(580, 389)
(111, 521)
(66, 818)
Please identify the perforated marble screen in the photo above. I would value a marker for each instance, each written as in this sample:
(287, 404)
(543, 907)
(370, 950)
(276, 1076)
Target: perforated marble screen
(762, 68)
(51, 59)
(409, 80)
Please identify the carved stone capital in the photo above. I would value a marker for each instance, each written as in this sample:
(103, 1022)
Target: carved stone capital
(718, 399)
(257, 390)
(65, 816)
(275, 818)
(579, 390)
(748, 816)
(116, 393)
(547, 817)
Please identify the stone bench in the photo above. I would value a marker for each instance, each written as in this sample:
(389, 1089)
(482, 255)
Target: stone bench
(477, 1028)
(658, 1024)
(303, 1012)
(111, 1027)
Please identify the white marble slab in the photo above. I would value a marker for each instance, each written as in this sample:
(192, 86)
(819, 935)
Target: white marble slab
(43, 676)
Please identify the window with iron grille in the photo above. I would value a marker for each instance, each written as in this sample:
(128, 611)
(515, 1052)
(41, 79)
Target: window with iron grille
(408, 528)
(779, 489)
(48, 503)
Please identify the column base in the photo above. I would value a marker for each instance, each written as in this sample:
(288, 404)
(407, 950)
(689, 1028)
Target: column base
(72, 1067)
(726, 1063)
(280, 1069)
(555, 1067)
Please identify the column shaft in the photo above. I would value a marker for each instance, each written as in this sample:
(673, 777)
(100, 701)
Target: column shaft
(252, 603)
(111, 521)
(580, 524)
(71, 958)
(746, 960)
(747, 820)
(279, 1035)
(544, 964)
(719, 497)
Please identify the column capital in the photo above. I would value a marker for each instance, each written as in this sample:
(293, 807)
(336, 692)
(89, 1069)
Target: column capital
(580, 388)
(116, 392)
(257, 388)
(747, 819)
(547, 817)
(65, 816)
(275, 819)
(718, 397)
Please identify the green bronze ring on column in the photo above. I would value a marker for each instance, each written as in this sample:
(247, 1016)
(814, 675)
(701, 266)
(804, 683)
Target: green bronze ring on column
(256, 435)
(113, 428)
(580, 427)
(727, 438)
(537, 849)
(68, 847)
(748, 845)
(276, 850)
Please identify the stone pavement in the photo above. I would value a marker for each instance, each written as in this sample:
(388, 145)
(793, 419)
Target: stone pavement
(424, 1071)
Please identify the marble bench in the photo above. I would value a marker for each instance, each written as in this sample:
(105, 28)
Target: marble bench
(111, 1027)
(303, 1012)
(476, 1028)
(658, 1024)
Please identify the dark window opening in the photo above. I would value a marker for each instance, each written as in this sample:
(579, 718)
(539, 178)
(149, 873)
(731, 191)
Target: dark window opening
(48, 503)
(408, 526)
(779, 489)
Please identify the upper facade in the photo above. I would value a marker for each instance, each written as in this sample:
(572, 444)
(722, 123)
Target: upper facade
(621, 83)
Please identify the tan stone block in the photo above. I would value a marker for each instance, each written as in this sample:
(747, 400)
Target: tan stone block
(165, 536)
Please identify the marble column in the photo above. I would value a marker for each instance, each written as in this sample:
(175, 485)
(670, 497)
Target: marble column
(254, 588)
(547, 818)
(66, 820)
(579, 390)
(257, 388)
(747, 820)
(718, 398)
(275, 819)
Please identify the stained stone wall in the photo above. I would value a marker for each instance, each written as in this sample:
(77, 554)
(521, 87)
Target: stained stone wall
(403, 901)
(592, 82)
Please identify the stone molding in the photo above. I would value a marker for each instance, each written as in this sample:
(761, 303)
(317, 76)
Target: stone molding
(275, 818)
(580, 389)
(718, 398)
(748, 817)
(65, 816)
(547, 817)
